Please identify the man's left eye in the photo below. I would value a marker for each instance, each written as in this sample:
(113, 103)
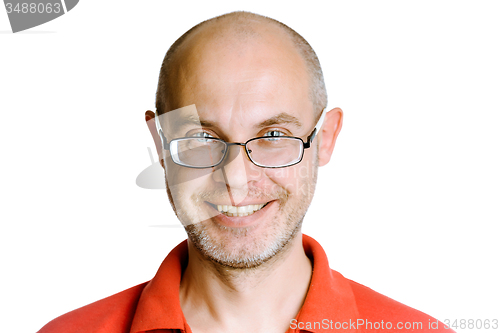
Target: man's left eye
(274, 133)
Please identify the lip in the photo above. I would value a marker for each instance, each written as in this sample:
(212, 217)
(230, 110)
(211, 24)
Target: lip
(243, 203)
(241, 221)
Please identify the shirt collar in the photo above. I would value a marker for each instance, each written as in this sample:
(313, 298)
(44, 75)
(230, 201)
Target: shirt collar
(329, 298)
(159, 306)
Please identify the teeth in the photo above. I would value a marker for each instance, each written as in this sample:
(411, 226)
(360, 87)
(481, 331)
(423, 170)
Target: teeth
(239, 211)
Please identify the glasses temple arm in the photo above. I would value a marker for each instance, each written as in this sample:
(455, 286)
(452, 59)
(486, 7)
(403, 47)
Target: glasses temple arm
(163, 139)
(316, 130)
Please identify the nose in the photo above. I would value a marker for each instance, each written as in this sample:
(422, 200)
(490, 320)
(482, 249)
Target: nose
(236, 172)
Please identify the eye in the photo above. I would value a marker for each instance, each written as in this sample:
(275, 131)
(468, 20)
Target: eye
(202, 136)
(273, 134)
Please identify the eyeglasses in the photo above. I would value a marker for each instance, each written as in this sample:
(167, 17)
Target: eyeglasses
(267, 151)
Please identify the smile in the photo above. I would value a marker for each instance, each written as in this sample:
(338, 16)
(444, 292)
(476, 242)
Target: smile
(233, 211)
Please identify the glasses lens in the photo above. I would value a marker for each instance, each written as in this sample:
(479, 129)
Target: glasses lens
(275, 151)
(197, 152)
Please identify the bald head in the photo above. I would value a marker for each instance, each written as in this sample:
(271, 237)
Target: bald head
(229, 38)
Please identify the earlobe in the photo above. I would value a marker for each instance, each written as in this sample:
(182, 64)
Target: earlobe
(329, 134)
(150, 121)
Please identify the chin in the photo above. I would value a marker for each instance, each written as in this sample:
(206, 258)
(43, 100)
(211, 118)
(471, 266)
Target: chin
(242, 248)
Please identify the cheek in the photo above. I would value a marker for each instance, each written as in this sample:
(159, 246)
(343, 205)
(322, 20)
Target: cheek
(186, 181)
(297, 180)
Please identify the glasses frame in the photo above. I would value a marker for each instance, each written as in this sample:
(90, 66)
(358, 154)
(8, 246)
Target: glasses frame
(305, 145)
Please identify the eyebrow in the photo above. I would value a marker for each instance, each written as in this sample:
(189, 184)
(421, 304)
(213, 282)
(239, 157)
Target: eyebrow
(282, 118)
(191, 120)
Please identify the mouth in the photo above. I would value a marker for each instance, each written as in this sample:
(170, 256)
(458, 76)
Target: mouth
(233, 211)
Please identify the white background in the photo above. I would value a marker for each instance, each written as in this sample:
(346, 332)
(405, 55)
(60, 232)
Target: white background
(409, 204)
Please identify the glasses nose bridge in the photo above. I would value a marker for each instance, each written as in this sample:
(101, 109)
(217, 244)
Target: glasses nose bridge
(240, 144)
(236, 144)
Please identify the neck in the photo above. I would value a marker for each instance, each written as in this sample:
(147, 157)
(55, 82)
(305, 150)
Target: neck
(215, 298)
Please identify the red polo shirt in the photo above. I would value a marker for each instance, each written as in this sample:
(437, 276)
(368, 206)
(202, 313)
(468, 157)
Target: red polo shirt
(333, 303)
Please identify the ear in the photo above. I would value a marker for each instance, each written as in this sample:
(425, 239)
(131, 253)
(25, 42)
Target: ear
(150, 121)
(329, 133)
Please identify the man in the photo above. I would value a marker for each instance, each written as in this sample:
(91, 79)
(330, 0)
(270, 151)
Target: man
(241, 129)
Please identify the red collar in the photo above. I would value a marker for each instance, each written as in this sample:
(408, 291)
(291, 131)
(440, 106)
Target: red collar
(329, 296)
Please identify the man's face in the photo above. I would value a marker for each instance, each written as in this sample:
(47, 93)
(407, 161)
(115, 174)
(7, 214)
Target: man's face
(242, 90)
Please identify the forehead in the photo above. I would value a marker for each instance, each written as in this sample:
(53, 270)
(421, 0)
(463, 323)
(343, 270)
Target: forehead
(245, 78)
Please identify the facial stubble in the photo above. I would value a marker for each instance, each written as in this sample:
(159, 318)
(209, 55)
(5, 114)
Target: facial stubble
(213, 241)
